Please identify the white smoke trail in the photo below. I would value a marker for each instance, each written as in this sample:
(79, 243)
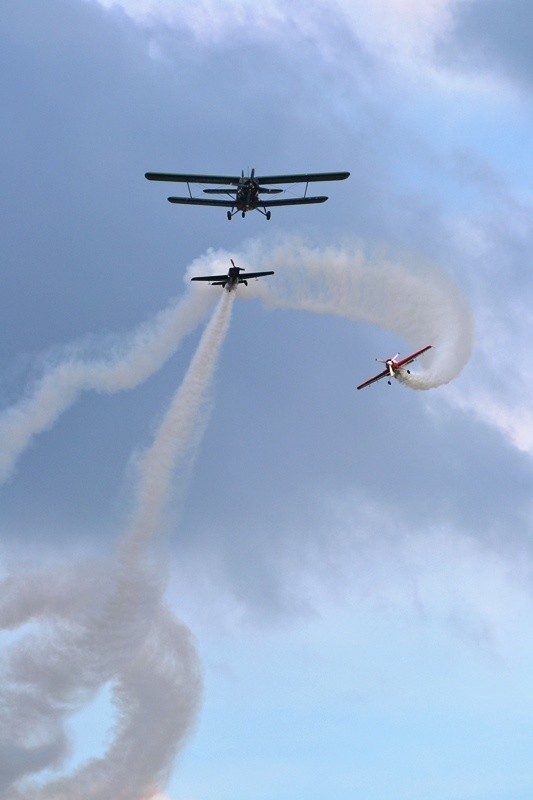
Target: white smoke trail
(108, 625)
(414, 300)
(130, 641)
(139, 357)
(180, 428)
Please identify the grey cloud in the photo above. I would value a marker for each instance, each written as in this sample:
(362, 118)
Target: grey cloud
(494, 35)
(92, 247)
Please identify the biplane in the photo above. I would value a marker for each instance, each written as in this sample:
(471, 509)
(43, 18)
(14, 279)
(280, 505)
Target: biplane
(232, 279)
(394, 367)
(246, 193)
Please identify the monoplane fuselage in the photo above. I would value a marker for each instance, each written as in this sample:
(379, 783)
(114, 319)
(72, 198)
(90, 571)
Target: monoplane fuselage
(232, 279)
(394, 367)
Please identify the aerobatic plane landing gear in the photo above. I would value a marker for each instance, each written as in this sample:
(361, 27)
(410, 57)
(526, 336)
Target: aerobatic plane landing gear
(229, 215)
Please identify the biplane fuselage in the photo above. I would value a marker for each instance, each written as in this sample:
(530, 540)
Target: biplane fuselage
(247, 196)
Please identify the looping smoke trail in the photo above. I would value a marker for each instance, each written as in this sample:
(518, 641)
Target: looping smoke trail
(107, 625)
(134, 644)
(145, 352)
(415, 300)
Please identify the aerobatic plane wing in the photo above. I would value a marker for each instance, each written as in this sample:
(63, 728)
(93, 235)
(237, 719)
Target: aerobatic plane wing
(374, 379)
(303, 178)
(232, 180)
(408, 359)
(210, 278)
(247, 275)
(201, 201)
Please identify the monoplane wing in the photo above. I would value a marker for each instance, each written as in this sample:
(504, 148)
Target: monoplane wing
(408, 359)
(395, 366)
(210, 278)
(381, 375)
(303, 178)
(232, 180)
(292, 201)
(201, 201)
(247, 275)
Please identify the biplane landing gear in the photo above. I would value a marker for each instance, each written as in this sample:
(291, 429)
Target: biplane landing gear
(268, 215)
(243, 214)
(229, 215)
(389, 382)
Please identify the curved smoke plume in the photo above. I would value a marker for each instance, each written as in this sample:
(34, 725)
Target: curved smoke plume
(136, 359)
(108, 625)
(417, 301)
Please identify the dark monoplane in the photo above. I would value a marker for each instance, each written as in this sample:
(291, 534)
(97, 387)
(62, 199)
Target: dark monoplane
(246, 193)
(232, 279)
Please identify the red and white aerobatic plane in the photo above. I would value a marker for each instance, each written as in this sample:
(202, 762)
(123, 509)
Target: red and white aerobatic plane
(394, 368)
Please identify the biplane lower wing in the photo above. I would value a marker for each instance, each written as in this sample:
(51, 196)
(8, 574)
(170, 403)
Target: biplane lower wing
(292, 201)
(202, 201)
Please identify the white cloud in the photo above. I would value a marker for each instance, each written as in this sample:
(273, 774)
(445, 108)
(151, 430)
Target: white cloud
(498, 385)
(514, 420)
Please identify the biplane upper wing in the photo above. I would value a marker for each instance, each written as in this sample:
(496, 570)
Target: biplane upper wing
(201, 201)
(292, 201)
(374, 379)
(302, 178)
(408, 359)
(232, 180)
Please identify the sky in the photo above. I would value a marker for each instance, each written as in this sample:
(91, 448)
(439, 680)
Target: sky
(225, 573)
